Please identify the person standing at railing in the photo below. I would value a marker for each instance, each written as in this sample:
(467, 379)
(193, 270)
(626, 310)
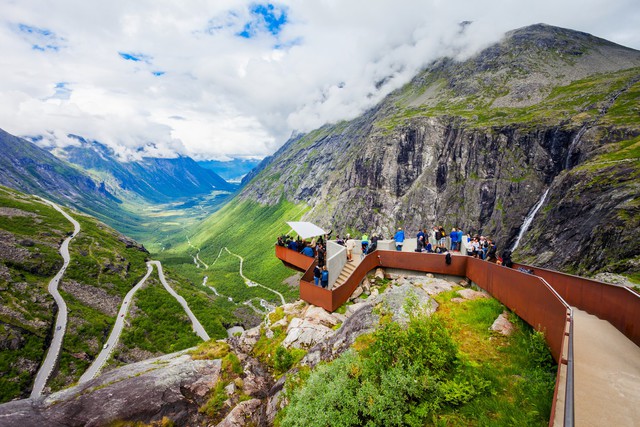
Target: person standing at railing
(324, 278)
(365, 243)
(320, 254)
(351, 245)
(419, 240)
(399, 238)
(456, 238)
(491, 252)
(308, 251)
(317, 274)
(374, 244)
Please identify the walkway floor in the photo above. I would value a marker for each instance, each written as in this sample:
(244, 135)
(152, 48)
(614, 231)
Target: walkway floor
(607, 374)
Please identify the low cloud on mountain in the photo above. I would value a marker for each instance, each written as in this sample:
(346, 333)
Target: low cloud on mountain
(221, 79)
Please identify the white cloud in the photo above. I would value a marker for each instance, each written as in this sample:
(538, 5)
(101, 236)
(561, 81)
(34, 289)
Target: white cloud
(200, 89)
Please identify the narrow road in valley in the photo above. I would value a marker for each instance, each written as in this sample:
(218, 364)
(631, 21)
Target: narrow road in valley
(197, 327)
(196, 259)
(251, 283)
(112, 341)
(61, 319)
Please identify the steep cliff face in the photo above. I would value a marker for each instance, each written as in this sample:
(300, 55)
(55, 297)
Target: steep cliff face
(475, 144)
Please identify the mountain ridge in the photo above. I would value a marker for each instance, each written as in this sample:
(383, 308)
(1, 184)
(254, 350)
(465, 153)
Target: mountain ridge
(473, 144)
(159, 180)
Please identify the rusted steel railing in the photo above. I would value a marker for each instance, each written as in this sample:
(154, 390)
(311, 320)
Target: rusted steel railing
(340, 294)
(293, 259)
(617, 305)
(424, 262)
(529, 296)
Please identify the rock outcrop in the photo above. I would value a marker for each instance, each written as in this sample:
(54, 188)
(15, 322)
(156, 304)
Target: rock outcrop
(171, 386)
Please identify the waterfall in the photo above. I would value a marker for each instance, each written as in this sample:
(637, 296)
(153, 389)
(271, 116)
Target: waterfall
(574, 143)
(529, 219)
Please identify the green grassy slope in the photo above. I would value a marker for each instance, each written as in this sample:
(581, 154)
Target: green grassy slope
(104, 266)
(572, 104)
(247, 229)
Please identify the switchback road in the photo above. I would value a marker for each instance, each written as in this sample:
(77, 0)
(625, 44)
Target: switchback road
(61, 319)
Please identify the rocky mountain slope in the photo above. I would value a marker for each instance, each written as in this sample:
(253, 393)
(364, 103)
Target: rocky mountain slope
(476, 143)
(157, 180)
(30, 169)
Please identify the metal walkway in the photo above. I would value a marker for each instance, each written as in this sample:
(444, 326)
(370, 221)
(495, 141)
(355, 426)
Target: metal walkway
(607, 374)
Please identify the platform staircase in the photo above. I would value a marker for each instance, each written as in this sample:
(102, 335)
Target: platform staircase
(348, 268)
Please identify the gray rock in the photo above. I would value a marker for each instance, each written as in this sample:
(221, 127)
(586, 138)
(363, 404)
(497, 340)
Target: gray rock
(362, 321)
(353, 308)
(614, 279)
(257, 381)
(303, 333)
(173, 386)
(356, 293)
(247, 413)
(503, 325)
(396, 301)
(470, 294)
(247, 340)
(322, 317)
(230, 388)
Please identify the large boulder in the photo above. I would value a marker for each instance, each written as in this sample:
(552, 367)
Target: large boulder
(172, 386)
(322, 317)
(303, 333)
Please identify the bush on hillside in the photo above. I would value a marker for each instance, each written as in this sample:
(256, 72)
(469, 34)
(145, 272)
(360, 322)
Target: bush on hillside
(403, 377)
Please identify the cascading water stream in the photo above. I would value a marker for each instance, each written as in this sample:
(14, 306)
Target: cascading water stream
(574, 143)
(529, 219)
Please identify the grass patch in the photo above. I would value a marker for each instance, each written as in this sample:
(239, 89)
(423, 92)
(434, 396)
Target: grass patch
(210, 350)
(446, 370)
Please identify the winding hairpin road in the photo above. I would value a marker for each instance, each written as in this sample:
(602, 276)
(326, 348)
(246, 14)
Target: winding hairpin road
(250, 283)
(61, 319)
(197, 327)
(112, 341)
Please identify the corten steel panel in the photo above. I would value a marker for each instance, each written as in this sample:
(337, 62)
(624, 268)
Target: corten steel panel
(618, 305)
(316, 295)
(526, 295)
(432, 263)
(293, 258)
(341, 294)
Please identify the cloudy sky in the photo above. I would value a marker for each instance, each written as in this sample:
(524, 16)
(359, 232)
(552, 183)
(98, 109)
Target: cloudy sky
(218, 79)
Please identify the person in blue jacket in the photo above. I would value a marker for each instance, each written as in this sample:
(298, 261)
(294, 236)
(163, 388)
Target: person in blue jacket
(317, 274)
(324, 278)
(399, 238)
(308, 251)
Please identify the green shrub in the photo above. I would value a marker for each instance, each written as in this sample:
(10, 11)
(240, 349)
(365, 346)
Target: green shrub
(402, 376)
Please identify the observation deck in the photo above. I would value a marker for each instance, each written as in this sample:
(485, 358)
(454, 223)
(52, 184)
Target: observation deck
(592, 328)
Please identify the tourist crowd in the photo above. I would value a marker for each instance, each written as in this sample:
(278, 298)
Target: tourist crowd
(433, 240)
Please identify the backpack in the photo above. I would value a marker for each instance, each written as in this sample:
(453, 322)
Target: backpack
(438, 235)
(447, 258)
